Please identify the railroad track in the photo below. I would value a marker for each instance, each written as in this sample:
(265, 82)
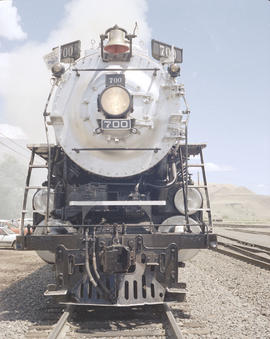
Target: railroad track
(155, 321)
(224, 225)
(50, 312)
(251, 253)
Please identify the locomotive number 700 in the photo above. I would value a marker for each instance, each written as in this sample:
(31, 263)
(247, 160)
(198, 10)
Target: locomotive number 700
(116, 124)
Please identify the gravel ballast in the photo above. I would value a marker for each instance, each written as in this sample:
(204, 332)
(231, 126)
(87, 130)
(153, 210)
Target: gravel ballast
(226, 298)
(23, 279)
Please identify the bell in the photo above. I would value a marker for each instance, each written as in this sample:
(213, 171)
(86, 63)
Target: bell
(117, 43)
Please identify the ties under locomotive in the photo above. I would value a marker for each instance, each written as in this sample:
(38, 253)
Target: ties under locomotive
(119, 213)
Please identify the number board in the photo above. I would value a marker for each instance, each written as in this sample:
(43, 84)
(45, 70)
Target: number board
(115, 124)
(71, 51)
(161, 50)
(115, 80)
(52, 58)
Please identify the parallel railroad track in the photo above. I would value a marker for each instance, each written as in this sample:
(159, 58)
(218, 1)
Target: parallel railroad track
(224, 225)
(143, 322)
(245, 251)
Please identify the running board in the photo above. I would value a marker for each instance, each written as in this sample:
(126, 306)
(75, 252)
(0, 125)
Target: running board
(119, 203)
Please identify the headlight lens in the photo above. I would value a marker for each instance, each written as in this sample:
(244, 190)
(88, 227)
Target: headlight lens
(40, 201)
(194, 200)
(115, 101)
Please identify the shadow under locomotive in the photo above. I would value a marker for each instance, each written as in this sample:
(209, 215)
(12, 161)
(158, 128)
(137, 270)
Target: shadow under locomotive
(23, 299)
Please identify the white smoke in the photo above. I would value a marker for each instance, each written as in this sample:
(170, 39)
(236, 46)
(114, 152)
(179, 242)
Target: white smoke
(11, 132)
(24, 78)
(10, 22)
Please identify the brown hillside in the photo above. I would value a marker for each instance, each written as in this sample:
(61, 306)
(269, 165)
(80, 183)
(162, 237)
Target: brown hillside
(230, 202)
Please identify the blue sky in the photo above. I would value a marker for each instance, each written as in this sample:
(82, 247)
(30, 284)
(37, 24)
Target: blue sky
(226, 71)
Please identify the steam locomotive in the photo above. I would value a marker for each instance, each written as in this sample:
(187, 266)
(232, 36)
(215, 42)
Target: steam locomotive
(119, 213)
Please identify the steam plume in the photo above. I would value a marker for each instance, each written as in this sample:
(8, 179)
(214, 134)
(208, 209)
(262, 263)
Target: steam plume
(24, 78)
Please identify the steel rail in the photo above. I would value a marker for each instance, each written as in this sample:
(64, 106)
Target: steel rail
(60, 324)
(244, 258)
(246, 243)
(167, 324)
(224, 225)
(244, 253)
(172, 322)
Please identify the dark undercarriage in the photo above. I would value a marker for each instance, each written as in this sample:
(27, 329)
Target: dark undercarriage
(113, 253)
(132, 268)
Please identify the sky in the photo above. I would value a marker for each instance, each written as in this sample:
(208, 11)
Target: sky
(226, 70)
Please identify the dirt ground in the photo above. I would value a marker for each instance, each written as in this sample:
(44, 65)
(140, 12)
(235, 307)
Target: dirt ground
(23, 279)
(16, 265)
(226, 298)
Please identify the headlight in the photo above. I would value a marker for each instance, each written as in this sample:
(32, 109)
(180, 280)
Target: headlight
(194, 200)
(40, 201)
(115, 101)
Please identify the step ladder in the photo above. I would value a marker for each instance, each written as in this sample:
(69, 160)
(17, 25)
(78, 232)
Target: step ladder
(44, 151)
(29, 187)
(184, 153)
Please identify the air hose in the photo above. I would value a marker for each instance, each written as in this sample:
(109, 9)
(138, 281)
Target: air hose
(87, 266)
(102, 289)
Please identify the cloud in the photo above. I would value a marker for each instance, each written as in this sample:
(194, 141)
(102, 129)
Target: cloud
(211, 167)
(24, 78)
(12, 132)
(10, 22)
(86, 20)
(263, 185)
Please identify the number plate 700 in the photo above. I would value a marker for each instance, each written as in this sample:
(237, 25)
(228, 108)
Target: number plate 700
(116, 124)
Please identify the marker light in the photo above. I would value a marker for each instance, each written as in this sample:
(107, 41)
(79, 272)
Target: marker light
(174, 70)
(58, 70)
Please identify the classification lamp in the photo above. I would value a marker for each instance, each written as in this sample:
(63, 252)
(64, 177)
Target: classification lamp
(58, 70)
(174, 70)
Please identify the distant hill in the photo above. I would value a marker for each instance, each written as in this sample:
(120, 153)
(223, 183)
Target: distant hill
(230, 202)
